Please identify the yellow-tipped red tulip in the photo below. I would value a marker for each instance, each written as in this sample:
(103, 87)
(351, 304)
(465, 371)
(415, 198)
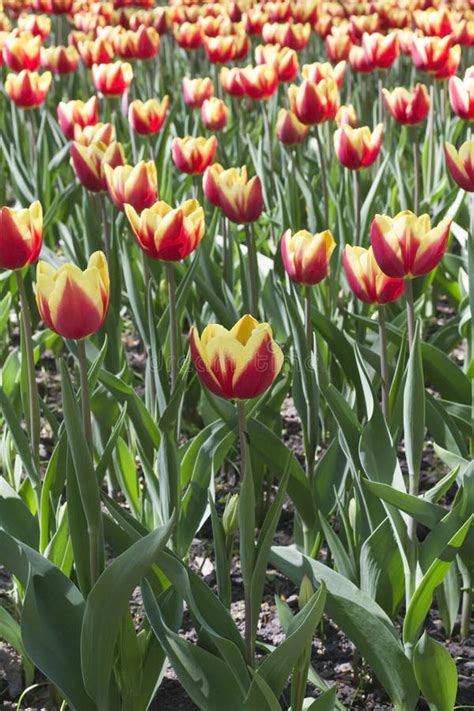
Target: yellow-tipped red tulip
(99, 132)
(306, 256)
(289, 129)
(314, 103)
(59, 60)
(193, 155)
(367, 280)
(98, 51)
(407, 246)
(220, 49)
(240, 199)
(461, 95)
(231, 82)
(38, 25)
(21, 236)
(407, 107)
(28, 89)
(461, 164)
(112, 79)
(259, 82)
(22, 52)
(88, 163)
(214, 114)
(346, 114)
(357, 148)
(148, 117)
(188, 35)
(72, 113)
(284, 59)
(210, 183)
(165, 233)
(135, 185)
(381, 50)
(239, 364)
(72, 302)
(196, 91)
(318, 71)
(435, 55)
(338, 47)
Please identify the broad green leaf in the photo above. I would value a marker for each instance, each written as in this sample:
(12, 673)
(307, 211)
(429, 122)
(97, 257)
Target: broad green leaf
(325, 702)
(435, 673)
(414, 408)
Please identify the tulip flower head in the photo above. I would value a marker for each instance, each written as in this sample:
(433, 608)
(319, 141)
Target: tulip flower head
(99, 132)
(112, 79)
(231, 82)
(314, 103)
(214, 114)
(97, 51)
(59, 60)
(346, 114)
(239, 364)
(436, 56)
(407, 107)
(461, 164)
(240, 199)
(89, 162)
(318, 71)
(193, 155)
(259, 82)
(289, 129)
(407, 246)
(306, 256)
(165, 233)
(210, 185)
(72, 302)
(22, 52)
(381, 50)
(367, 280)
(135, 185)
(77, 113)
(461, 95)
(21, 236)
(196, 91)
(357, 148)
(148, 117)
(284, 59)
(28, 89)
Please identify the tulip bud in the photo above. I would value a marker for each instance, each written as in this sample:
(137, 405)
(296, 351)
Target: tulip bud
(193, 155)
(112, 79)
(289, 129)
(318, 71)
(196, 91)
(283, 59)
(306, 592)
(461, 164)
(214, 114)
(220, 49)
(231, 82)
(367, 280)
(358, 148)
(259, 82)
(77, 113)
(134, 185)
(461, 95)
(22, 53)
(240, 199)
(239, 364)
(346, 115)
(314, 103)
(408, 108)
(381, 50)
(21, 236)
(210, 183)
(98, 51)
(99, 132)
(148, 117)
(407, 246)
(167, 234)
(88, 163)
(230, 517)
(28, 89)
(306, 256)
(60, 60)
(359, 61)
(188, 35)
(71, 302)
(338, 47)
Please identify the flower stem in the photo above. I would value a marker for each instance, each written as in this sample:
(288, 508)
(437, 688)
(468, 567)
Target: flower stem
(105, 225)
(356, 191)
(253, 270)
(470, 271)
(410, 311)
(383, 362)
(85, 394)
(173, 324)
(380, 96)
(33, 400)
(430, 143)
(246, 536)
(308, 323)
(322, 164)
(416, 172)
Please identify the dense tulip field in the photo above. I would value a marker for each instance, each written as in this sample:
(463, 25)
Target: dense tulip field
(237, 355)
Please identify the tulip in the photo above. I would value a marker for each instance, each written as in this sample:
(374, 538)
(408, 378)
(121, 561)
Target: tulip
(254, 20)
(98, 133)
(148, 117)
(60, 60)
(112, 79)
(165, 233)
(338, 47)
(210, 183)
(318, 71)
(346, 114)
(435, 56)
(193, 155)
(406, 246)
(357, 148)
(293, 35)
(306, 256)
(72, 302)
(142, 44)
(381, 50)
(98, 51)
(188, 35)
(214, 114)
(463, 33)
(289, 129)
(21, 236)
(259, 82)
(437, 22)
(461, 95)
(220, 49)
(241, 46)
(241, 199)
(314, 103)
(89, 162)
(367, 280)
(362, 24)
(37, 25)
(238, 364)
(461, 164)
(408, 108)
(133, 185)
(230, 80)
(77, 113)
(196, 91)
(284, 59)
(359, 61)
(28, 89)
(22, 53)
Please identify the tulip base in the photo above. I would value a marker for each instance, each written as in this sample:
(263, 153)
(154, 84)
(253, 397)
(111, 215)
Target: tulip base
(85, 394)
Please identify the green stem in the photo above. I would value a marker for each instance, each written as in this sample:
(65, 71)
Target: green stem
(33, 399)
(467, 595)
(416, 171)
(105, 225)
(248, 632)
(470, 271)
(410, 311)
(253, 270)
(174, 355)
(356, 191)
(380, 96)
(430, 144)
(384, 362)
(308, 322)
(322, 164)
(85, 394)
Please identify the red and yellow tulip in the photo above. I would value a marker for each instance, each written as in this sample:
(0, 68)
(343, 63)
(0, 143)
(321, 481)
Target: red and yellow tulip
(306, 256)
(461, 95)
(148, 117)
(461, 164)
(318, 71)
(367, 280)
(89, 162)
(28, 89)
(59, 60)
(357, 148)
(21, 236)
(112, 79)
(408, 107)
(22, 52)
(240, 199)
(214, 114)
(196, 91)
(77, 113)
(289, 129)
(193, 155)
(134, 185)
(314, 103)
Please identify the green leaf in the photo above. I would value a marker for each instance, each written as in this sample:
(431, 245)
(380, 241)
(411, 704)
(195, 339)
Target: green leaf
(21, 443)
(325, 702)
(414, 408)
(435, 673)
(381, 569)
(15, 517)
(10, 631)
(422, 510)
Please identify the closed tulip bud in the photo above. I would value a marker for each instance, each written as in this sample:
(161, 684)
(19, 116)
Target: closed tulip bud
(461, 95)
(433, 21)
(210, 183)
(254, 20)
(407, 246)
(21, 236)
(407, 107)
(22, 52)
(451, 65)
(89, 162)
(435, 56)
(148, 117)
(367, 280)
(306, 592)
(382, 50)
(112, 79)
(239, 364)
(240, 199)
(193, 155)
(461, 164)
(318, 71)
(359, 61)
(38, 25)
(284, 59)
(364, 24)
(60, 60)
(72, 302)
(134, 185)
(214, 114)
(188, 35)
(463, 33)
(259, 82)
(220, 49)
(230, 517)
(338, 47)
(314, 103)
(306, 256)
(289, 129)
(242, 47)
(196, 91)
(293, 35)
(231, 83)
(28, 89)
(278, 11)
(99, 132)
(346, 114)
(165, 233)
(358, 148)
(98, 51)
(77, 113)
